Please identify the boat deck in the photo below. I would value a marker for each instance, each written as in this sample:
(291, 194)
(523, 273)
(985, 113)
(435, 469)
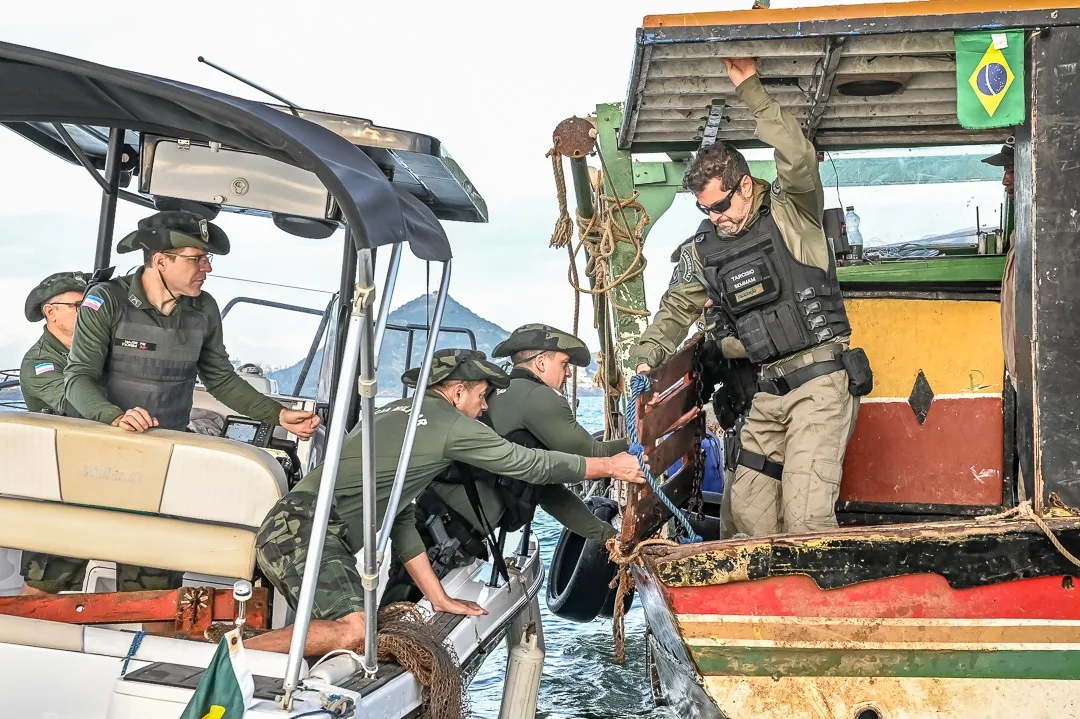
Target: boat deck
(188, 677)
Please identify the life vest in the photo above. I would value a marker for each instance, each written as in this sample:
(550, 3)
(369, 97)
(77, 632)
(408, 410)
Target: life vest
(153, 358)
(776, 305)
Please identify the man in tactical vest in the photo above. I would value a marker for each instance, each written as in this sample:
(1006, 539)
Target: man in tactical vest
(142, 339)
(533, 412)
(447, 431)
(763, 267)
(41, 377)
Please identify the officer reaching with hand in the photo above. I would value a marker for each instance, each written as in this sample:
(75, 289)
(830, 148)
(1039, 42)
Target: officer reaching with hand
(761, 267)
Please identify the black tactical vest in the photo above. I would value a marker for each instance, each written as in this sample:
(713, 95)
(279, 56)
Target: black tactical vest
(776, 305)
(153, 360)
(519, 497)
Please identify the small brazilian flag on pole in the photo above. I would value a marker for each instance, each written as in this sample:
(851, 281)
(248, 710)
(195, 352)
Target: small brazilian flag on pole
(990, 89)
(227, 688)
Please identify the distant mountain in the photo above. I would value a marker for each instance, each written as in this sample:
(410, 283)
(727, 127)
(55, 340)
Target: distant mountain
(393, 361)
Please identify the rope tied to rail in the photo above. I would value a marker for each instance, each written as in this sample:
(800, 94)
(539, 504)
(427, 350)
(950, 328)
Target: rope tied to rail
(623, 582)
(1024, 510)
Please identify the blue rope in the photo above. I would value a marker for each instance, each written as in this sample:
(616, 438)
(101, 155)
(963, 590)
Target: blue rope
(132, 650)
(639, 385)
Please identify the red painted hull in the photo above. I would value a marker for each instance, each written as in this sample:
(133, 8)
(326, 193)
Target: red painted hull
(912, 596)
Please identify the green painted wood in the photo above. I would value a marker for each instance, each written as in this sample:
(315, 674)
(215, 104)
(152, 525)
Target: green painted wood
(973, 268)
(944, 664)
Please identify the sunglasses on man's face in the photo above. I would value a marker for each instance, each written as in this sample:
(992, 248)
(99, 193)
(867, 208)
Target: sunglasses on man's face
(722, 205)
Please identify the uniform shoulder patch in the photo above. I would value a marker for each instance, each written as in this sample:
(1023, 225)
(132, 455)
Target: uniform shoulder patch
(44, 367)
(776, 186)
(93, 302)
(684, 271)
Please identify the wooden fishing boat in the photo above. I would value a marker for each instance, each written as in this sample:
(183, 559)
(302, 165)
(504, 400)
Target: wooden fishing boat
(949, 587)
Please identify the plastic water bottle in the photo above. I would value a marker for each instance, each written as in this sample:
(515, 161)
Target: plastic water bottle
(853, 235)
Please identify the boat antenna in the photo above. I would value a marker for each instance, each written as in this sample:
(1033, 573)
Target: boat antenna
(249, 83)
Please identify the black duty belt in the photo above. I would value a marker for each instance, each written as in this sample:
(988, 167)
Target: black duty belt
(782, 385)
(760, 463)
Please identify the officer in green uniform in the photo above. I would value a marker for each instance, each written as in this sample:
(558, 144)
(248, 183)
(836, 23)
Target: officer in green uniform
(141, 339)
(533, 412)
(41, 377)
(447, 431)
(762, 265)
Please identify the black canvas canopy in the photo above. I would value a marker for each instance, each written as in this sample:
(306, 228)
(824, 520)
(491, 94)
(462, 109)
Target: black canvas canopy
(39, 89)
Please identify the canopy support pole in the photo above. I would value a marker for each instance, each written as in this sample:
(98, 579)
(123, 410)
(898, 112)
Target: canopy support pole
(358, 333)
(109, 195)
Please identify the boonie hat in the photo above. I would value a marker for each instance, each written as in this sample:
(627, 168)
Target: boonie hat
(173, 229)
(543, 338)
(460, 364)
(51, 286)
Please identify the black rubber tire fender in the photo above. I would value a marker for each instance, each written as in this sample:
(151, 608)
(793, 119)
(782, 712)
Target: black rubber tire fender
(577, 587)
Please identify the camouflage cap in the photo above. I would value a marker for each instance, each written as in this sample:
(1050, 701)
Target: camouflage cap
(173, 229)
(461, 364)
(542, 338)
(51, 286)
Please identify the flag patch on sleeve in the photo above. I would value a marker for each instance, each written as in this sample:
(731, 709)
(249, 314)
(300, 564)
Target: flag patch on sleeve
(44, 367)
(93, 302)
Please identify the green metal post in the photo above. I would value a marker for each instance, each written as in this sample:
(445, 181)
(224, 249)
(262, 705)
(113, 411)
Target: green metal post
(657, 193)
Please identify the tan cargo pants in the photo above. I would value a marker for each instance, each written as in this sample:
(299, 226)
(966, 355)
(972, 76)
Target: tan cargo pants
(807, 430)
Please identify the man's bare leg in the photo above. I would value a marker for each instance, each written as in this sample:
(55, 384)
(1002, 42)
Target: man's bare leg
(322, 636)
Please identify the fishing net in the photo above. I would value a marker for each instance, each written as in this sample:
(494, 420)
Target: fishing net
(407, 638)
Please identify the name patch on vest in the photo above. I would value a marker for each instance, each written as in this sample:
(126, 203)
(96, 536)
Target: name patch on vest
(134, 344)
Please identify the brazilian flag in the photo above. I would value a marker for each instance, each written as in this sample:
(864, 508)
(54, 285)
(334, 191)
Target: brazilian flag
(990, 89)
(227, 688)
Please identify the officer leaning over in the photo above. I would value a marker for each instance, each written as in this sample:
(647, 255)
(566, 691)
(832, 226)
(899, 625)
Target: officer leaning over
(533, 412)
(447, 431)
(41, 377)
(142, 339)
(763, 265)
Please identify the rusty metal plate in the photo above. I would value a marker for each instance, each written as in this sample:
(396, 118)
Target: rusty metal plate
(675, 368)
(660, 418)
(650, 513)
(575, 137)
(679, 444)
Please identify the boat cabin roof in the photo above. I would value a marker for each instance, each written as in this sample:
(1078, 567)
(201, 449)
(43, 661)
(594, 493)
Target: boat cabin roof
(855, 75)
(389, 185)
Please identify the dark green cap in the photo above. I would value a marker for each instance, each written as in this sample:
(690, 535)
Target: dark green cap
(174, 229)
(543, 338)
(51, 286)
(461, 364)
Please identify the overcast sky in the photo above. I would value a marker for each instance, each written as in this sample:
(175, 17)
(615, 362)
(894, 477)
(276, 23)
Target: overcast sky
(489, 79)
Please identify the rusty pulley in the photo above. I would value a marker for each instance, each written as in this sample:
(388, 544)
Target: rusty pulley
(575, 137)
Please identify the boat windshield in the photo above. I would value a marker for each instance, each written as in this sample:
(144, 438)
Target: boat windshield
(911, 202)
